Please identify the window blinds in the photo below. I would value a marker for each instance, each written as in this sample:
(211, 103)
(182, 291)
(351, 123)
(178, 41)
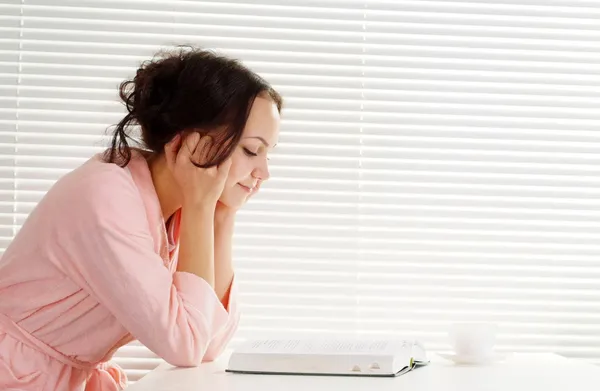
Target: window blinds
(438, 160)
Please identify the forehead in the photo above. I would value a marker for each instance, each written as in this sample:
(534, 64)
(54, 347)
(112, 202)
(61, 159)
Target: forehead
(263, 121)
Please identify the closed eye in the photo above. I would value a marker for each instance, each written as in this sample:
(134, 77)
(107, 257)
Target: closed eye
(249, 152)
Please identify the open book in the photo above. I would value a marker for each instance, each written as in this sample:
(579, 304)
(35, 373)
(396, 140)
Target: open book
(327, 357)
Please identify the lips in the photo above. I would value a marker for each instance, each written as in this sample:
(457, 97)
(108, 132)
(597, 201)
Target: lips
(246, 188)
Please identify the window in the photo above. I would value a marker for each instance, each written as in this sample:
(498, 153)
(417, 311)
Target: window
(439, 160)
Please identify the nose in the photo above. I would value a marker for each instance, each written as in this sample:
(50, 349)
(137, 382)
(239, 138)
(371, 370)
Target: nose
(262, 171)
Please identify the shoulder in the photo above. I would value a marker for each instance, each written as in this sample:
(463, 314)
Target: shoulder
(98, 192)
(98, 180)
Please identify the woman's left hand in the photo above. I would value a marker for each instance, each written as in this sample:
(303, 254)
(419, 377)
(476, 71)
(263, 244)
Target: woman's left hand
(224, 212)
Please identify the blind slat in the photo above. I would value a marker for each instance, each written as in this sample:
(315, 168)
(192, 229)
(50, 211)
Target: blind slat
(437, 162)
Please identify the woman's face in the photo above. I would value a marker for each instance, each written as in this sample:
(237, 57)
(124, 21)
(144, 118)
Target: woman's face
(249, 166)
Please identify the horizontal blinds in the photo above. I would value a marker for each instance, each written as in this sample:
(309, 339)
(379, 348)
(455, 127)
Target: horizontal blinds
(479, 172)
(438, 160)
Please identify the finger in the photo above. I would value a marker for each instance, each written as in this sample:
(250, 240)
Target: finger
(189, 144)
(225, 167)
(256, 188)
(203, 150)
(171, 150)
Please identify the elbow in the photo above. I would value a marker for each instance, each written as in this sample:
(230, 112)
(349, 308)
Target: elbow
(219, 344)
(195, 357)
(208, 359)
(186, 357)
(195, 354)
(186, 350)
(201, 343)
(212, 353)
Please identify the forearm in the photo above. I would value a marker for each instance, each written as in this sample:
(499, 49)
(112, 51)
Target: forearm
(196, 248)
(224, 227)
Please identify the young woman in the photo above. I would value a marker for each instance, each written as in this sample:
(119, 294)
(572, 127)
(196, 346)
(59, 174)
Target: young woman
(136, 243)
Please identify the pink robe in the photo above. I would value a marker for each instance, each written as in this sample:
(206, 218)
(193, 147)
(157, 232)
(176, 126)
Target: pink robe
(91, 270)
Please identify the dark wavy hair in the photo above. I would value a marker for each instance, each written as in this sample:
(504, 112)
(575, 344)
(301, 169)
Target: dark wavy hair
(188, 90)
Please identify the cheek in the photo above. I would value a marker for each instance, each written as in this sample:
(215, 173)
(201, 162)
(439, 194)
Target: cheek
(239, 170)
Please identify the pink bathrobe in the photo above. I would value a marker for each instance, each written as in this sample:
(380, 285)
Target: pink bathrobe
(92, 270)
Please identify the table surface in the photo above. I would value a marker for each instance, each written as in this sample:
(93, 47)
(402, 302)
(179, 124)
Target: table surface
(547, 372)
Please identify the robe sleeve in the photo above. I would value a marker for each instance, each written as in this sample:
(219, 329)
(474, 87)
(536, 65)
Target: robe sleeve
(111, 255)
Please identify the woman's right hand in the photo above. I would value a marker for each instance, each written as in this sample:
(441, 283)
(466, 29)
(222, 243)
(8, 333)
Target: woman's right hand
(199, 186)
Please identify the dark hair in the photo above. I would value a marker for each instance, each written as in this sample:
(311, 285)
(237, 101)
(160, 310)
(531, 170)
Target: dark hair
(188, 90)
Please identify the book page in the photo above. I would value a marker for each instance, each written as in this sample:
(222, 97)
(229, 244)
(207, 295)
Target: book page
(322, 346)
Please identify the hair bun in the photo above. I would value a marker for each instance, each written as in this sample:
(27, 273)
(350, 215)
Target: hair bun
(155, 86)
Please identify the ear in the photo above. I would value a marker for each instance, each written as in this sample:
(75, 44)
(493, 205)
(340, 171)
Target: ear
(172, 149)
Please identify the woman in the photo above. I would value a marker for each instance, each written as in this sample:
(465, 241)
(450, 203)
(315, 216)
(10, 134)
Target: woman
(136, 243)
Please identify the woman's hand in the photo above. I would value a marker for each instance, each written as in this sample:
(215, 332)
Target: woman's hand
(200, 189)
(223, 211)
(199, 186)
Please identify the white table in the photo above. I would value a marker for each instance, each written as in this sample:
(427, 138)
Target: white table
(527, 372)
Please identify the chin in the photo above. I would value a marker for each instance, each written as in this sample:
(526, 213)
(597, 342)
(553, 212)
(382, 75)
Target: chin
(233, 205)
(232, 201)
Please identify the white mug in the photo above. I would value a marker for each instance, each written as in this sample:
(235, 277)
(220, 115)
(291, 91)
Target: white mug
(474, 340)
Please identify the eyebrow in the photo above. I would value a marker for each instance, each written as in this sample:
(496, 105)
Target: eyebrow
(262, 140)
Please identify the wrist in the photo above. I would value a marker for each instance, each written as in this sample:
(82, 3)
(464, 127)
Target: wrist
(224, 214)
(198, 207)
